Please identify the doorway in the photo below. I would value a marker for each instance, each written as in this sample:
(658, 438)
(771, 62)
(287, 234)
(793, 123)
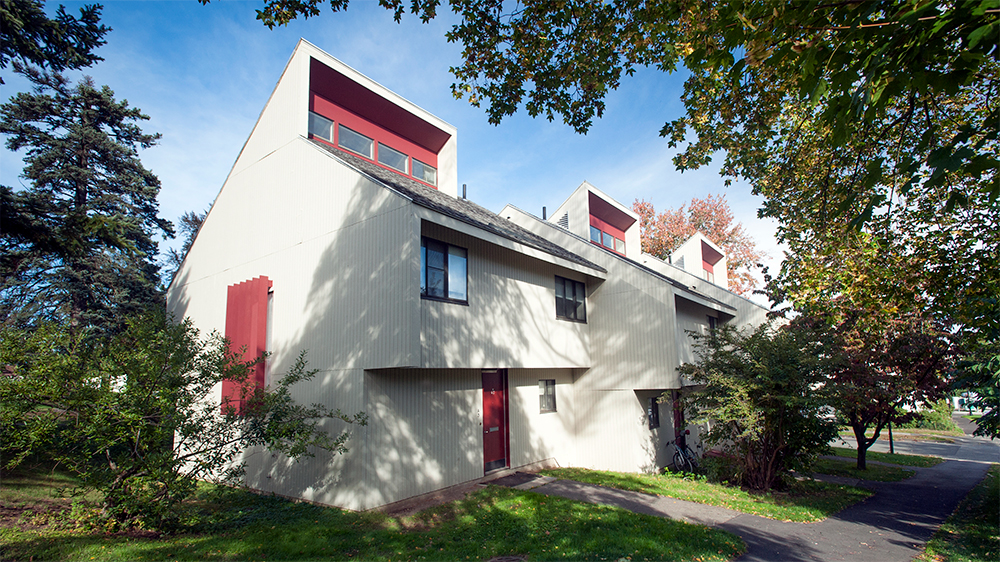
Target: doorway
(496, 433)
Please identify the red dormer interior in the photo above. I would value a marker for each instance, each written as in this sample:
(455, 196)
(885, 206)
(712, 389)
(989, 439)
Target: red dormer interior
(342, 100)
(709, 257)
(610, 221)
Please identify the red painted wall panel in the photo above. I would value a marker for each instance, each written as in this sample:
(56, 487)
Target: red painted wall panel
(328, 109)
(246, 326)
(610, 229)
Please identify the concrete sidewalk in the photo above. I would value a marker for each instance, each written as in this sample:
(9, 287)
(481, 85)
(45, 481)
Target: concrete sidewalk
(892, 525)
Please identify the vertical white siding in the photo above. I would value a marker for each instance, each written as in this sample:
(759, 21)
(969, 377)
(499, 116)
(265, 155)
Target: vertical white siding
(425, 431)
(510, 320)
(535, 436)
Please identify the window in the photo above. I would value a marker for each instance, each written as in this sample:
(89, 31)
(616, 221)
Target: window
(619, 245)
(443, 271)
(713, 323)
(392, 158)
(424, 172)
(320, 127)
(709, 276)
(595, 234)
(546, 396)
(653, 412)
(571, 299)
(609, 241)
(354, 141)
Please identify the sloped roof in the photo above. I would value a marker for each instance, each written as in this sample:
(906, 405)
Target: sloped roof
(459, 209)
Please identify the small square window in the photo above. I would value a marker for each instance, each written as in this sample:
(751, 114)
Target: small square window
(546, 395)
(595, 234)
(653, 412)
(354, 141)
(609, 241)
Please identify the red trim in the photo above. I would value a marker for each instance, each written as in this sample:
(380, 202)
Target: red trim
(605, 227)
(609, 213)
(707, 266)
(371, 106)
(246, 326)
(709, 254)
(339, 115)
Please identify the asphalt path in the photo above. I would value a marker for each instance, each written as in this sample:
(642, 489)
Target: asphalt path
(892, 525)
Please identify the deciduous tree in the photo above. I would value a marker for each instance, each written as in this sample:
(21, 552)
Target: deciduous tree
(664, 232)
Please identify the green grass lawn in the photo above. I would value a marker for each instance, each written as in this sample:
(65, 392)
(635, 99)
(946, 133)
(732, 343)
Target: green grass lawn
(804, 502)
(972, 533)
(876, 472)
(893, 458)
(494, 521)
(915, 434)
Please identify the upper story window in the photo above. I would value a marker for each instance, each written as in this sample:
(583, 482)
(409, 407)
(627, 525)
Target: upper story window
(392, 158)
(371, 148)
(320, 127)
(424, 172)
(606, 239)
(709, 276)
(571, 299)
(354, 141)
(443, 271)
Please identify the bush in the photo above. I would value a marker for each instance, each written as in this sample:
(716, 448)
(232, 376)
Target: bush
(765, 394)
(938, 418)
(134, 416)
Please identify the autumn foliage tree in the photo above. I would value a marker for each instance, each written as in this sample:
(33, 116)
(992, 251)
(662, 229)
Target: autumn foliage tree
(664, 232)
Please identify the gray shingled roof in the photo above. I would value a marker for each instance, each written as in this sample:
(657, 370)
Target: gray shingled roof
(459, 209)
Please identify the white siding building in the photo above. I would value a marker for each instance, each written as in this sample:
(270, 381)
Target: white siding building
(474, 341)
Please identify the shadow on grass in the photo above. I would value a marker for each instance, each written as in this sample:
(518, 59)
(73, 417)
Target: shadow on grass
(491, 522)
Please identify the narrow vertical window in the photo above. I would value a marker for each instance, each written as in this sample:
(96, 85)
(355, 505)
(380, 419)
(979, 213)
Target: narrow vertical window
(571, 299)
(653, 412)
(546, 396)
(595, 234)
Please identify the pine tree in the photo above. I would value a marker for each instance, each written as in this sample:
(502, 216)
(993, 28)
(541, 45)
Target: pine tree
(76, 244)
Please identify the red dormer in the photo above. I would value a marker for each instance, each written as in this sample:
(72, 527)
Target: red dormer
(353, 118)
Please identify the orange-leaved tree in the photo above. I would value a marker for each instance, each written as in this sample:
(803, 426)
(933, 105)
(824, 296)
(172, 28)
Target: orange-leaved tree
(664, 232)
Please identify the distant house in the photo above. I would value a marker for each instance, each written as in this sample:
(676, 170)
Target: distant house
(474, 341)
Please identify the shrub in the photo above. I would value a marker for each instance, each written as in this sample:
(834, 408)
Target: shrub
(765, 394)
(938, 418)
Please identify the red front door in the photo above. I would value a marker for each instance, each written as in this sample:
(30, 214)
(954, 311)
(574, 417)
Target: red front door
(495, 441)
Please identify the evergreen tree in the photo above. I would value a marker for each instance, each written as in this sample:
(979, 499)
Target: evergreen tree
(77, 242)
(27, 34)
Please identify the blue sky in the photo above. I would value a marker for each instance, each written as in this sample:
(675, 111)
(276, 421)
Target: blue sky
(204, 73)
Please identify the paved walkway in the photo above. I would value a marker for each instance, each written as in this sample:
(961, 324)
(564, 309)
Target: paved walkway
(892, 525)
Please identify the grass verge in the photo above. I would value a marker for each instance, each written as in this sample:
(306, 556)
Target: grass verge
(937, 435)
(892, 458)
(876, 472)
(972, 533)
(494, 521)
(804, 502)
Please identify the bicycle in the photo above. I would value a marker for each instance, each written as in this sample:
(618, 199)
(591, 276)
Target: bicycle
(684, 458)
